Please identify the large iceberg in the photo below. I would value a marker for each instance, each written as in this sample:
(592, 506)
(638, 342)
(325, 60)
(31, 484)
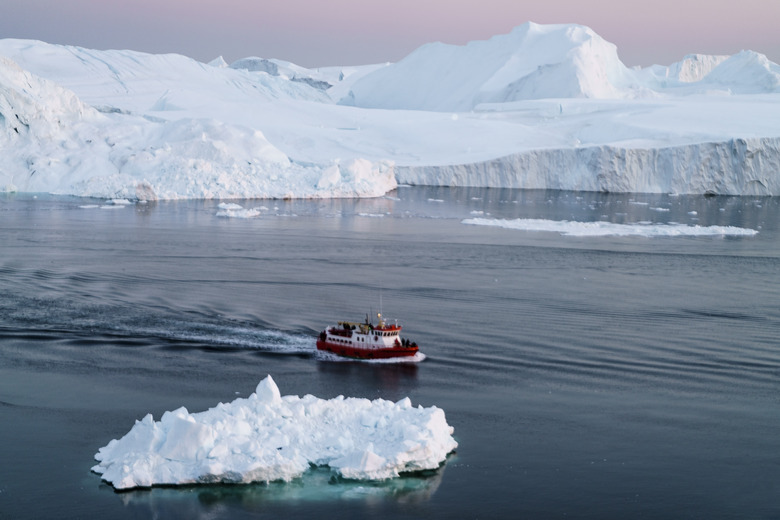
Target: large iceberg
(51, 141)
(532, 62)
(543, 107)
(267, 437)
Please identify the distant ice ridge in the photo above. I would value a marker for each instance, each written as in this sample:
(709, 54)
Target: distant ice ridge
(545, 106)
(694, 67)
(532, 62)
(535, 61)
(594, 229)
(267, 437)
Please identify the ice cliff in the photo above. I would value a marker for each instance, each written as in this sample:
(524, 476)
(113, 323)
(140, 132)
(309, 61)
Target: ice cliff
(733, 167)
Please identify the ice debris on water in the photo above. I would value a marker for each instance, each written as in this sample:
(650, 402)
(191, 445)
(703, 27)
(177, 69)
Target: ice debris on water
(269, 437)
(593, 229)
(236, 211)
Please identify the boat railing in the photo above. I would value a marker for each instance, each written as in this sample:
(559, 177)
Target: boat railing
(345, 333)
(388, 328)
(346, 328)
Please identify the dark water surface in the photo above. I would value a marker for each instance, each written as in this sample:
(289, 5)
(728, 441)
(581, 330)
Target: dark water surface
(585, 377)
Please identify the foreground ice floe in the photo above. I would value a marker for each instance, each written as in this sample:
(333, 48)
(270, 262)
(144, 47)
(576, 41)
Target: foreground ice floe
(267, 437)
(582, 229)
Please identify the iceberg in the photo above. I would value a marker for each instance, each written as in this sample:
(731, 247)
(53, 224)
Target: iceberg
(532, 62)
(543, 107)
(51, 141)
(269, 437)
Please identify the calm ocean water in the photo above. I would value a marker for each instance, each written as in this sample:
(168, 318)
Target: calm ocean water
(585, 377)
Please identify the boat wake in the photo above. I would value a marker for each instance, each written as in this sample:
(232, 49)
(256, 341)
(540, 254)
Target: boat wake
(322, 355)
(243, 337)
(125, 324)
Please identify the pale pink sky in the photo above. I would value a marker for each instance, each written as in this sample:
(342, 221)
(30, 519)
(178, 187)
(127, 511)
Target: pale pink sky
(355, 32)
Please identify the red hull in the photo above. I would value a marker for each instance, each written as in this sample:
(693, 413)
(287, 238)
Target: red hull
(366, 353)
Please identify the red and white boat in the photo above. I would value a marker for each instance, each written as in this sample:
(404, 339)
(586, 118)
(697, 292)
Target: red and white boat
(366, 340)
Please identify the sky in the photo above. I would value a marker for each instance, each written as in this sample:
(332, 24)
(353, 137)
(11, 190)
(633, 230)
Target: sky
(315, 33)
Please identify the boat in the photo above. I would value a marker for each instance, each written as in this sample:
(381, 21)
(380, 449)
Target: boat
(366, 340)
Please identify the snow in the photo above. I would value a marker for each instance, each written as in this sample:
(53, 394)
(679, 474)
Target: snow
(269, 437)
(595, 229)
(544, 106)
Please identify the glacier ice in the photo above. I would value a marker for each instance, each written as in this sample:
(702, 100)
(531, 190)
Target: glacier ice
(544, 107)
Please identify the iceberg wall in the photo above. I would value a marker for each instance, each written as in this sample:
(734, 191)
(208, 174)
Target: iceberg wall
(733, 167)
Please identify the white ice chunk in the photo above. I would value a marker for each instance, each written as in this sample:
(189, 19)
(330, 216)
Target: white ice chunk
(267, 437)
(268, 392)
(230, 206)
(365, 464)
(236, 211)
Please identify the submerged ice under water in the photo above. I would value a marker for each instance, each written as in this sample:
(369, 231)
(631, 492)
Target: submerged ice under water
(630, 375)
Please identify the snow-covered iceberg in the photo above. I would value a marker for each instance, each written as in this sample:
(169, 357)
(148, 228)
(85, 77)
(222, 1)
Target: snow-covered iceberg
(51, 141)
(267, 437)
(543, 107)
(532, 62)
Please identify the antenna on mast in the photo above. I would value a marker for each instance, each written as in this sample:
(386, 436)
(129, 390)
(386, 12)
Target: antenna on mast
(379, 314)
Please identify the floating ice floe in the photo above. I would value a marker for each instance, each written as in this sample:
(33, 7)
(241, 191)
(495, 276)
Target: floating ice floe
(590, 229)
(267, 437)
(233, 210)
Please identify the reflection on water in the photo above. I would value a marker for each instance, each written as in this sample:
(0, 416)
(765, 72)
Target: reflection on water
(315, 486)
(392, 381)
